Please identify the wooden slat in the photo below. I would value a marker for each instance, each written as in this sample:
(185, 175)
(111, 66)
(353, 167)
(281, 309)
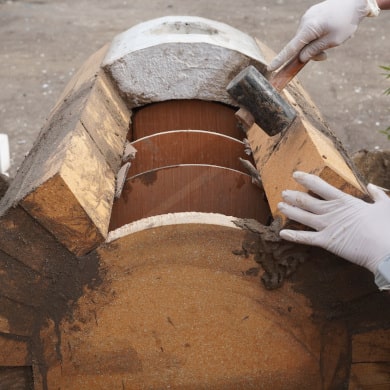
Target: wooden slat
(66, 183)
(203, 188)
(185, 115)
(75, 203)
(305, 148)
(85, 74)
(308, 145)
(187, 147)
(106, 119)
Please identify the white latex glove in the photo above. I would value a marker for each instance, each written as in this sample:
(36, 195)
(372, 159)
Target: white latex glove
(325, 25)
(346, 226)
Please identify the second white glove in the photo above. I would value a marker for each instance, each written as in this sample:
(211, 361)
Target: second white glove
(344, 225)
(325, 25)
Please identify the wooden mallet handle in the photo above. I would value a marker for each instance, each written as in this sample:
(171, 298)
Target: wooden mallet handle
(280, 79)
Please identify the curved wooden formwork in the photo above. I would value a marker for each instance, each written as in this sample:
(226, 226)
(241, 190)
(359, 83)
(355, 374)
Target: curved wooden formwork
(160, 287)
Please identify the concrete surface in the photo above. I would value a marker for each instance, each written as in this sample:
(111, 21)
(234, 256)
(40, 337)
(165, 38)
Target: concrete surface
(43, 42)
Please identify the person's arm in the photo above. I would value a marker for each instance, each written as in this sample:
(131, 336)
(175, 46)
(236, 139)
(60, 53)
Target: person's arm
(325, 25)
(383, 4)
(349, 227)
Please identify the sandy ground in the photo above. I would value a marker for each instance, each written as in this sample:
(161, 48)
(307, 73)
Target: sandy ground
(42, 43)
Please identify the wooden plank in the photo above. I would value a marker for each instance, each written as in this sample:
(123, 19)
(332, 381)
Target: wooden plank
(308, 145)
(85, 74)
(305, 148)
(185, 115)
(65, 165)
(262, 145)
(187, 147)
(106, 118)
(202, 188)
(75, 204)
(14, 352)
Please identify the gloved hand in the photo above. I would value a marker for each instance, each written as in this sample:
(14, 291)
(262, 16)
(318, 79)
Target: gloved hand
(325, 25)
(346, 226)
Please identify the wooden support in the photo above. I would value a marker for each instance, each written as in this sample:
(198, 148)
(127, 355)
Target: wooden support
(75, 202)
(184, 115)
(307, 149)
(67, 182)
(68, 185)
(107, 119)
(308, 145)
(202, 188)
(187, 147)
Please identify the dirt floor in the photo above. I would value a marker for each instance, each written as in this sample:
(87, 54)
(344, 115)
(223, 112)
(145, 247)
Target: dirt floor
(43, 42)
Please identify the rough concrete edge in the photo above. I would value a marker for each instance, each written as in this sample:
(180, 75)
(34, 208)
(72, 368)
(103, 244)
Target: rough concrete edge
(167, 29)
(191, 217)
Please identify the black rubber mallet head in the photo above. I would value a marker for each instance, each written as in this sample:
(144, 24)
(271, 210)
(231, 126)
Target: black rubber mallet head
(260, 96)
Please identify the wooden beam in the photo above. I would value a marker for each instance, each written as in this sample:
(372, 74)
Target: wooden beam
(107, 119)
(202, 188)
(187, 147)
(308, 145)
(305, 148)
(67, 182)
(185, 115)
(75, 203)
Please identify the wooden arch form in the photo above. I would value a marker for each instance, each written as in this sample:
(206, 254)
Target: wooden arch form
(166, 300)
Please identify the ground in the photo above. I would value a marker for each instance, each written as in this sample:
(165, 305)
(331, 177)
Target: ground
(43, 42)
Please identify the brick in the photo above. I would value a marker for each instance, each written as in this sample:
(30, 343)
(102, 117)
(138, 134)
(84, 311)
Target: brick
(307, 149)
(106, 118)
(74, 204)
